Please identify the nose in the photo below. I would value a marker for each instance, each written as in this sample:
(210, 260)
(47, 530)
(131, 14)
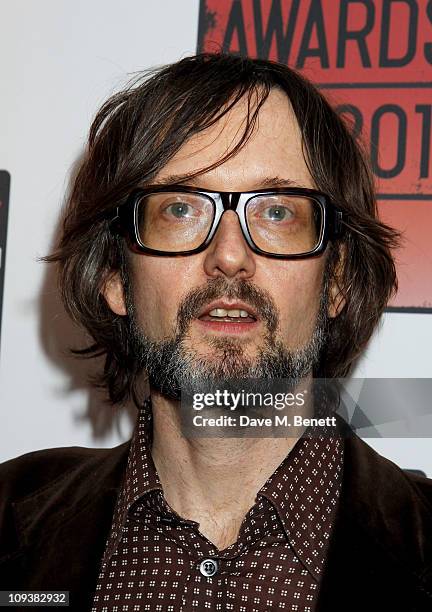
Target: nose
(228, 253)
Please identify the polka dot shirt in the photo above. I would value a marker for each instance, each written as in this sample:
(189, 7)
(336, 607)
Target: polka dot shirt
(157, 561)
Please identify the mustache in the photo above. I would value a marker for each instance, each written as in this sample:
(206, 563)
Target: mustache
(218, 288)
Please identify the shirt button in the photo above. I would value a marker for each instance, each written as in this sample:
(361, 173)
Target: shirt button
(208, 567)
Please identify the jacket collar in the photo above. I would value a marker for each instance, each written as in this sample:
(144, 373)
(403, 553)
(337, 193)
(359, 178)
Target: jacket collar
(63, 527)
(381, 545)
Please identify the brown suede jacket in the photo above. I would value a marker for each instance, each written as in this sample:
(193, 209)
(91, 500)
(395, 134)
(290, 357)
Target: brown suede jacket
(56, 508)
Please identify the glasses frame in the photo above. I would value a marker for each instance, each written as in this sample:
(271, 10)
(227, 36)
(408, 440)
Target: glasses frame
(125, 223)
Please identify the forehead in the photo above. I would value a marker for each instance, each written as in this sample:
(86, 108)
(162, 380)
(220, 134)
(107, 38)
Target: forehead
(273, 150)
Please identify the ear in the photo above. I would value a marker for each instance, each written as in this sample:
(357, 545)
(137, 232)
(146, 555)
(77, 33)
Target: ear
(337, 300)
(113, 293)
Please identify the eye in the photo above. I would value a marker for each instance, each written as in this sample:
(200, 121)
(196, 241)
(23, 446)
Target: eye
(277, 213)
(180, 210)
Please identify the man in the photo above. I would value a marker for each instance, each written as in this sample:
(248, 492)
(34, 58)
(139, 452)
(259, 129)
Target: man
(222, 226)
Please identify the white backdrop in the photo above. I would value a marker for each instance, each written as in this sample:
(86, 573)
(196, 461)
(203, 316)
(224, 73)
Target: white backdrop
(59, 61)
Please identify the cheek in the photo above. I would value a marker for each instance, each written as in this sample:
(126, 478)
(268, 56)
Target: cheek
(298, 298)
(157, 292)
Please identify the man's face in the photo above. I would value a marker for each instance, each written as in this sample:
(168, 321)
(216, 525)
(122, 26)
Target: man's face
(166, 295)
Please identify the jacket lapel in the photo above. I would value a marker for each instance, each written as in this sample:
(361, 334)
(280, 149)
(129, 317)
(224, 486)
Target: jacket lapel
(63, 530)
(380, 552)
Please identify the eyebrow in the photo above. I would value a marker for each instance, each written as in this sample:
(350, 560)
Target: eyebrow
(277, 181)
(269, 181)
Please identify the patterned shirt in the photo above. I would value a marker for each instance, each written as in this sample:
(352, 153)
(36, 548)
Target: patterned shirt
(157, 561)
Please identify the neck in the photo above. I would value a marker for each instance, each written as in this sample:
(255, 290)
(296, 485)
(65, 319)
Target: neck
(213, 481)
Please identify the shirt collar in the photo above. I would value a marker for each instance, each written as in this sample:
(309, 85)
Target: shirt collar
(140, 476)
(304, 490)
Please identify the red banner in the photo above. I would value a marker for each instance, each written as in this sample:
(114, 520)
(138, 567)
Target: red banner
(373, 60)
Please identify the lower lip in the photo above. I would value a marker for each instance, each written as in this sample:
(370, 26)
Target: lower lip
(228, 328)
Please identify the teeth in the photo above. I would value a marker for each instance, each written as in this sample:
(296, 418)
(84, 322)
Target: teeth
(218, 312)
(234, 313)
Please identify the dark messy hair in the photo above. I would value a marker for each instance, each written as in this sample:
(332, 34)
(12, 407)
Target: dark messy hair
(134, 135)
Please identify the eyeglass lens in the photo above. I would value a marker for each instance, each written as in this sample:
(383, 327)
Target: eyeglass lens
(278, 223)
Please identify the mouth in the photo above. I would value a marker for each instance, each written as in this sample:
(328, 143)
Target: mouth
(222, 316)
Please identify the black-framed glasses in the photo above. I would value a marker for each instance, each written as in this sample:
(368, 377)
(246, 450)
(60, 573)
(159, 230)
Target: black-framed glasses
(172, 220)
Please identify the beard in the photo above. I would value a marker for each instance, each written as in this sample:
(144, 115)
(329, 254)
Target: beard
(172, 366)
